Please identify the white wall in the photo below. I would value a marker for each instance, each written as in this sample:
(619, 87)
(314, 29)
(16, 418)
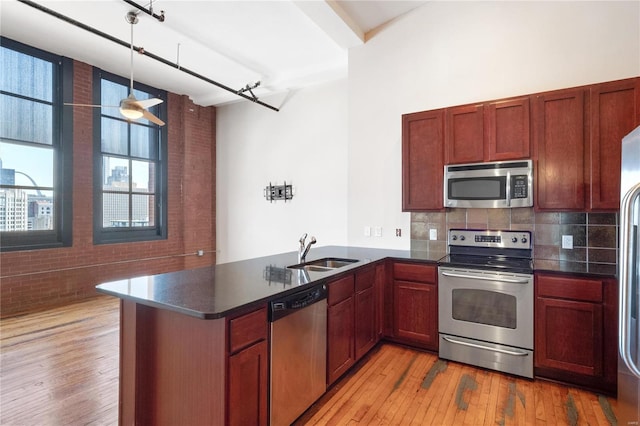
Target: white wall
(452, 53)
(305, 143)
(442, 54)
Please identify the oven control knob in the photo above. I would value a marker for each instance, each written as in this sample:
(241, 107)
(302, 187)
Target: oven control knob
(524, 239)
(514, 239)
(454, 237)
(461, 237)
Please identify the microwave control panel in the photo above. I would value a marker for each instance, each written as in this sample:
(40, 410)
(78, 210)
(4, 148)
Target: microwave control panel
(519, 185)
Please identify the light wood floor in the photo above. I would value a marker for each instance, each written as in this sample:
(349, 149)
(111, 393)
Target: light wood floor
(60, 367)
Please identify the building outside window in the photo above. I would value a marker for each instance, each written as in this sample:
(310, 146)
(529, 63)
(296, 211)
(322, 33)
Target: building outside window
(35, 148)
(129, 166)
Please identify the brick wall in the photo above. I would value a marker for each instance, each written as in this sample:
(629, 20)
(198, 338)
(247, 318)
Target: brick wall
(37, 279)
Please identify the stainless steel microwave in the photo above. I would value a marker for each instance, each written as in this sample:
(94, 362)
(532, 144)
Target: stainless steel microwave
(500, 184)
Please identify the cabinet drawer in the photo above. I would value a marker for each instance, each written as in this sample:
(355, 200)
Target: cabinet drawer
(415, 272)
(582, 289)
(365, 279)
(340, 290)
(247, 329)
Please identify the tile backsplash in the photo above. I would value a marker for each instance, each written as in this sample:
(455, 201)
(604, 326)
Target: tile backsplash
(594, 234)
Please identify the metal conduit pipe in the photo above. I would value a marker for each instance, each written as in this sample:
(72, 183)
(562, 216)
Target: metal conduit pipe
(143, 52)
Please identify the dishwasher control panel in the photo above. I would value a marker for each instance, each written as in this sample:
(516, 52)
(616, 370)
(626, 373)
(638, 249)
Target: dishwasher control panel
(287, 304)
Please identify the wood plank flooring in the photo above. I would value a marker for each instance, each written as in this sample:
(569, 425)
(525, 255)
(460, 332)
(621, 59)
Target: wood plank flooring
(60, 367)
(400, 386)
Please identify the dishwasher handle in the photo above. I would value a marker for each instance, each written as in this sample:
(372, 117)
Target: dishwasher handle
(282, 307)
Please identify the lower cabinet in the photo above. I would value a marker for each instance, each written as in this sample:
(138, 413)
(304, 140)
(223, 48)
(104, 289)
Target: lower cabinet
(341, 353)
(179, 369)
(353, 319)
(576, 330)
(247, 369)
(415, 305)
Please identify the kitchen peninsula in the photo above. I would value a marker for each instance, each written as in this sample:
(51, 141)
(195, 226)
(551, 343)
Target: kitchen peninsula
(194, 343)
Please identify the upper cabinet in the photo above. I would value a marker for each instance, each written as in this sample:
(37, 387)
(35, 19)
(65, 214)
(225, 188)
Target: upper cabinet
(559, 137)
(615, 111)
(577, 136)
(493, 131)
(507, 129)
(573, 135)
(465, 134)
(422, 160)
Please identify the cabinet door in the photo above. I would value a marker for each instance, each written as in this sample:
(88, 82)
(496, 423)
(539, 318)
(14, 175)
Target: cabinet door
(365, 319)
(568, 336)
(615, 111)
(465, 134)
(559, 138)
(415, 313)
(247, 403)
(422, 160)
(340, 341)
(380, 284)
(507, 129)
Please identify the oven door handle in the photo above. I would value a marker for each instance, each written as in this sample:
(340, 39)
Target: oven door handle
(476, 277)
(477, 346)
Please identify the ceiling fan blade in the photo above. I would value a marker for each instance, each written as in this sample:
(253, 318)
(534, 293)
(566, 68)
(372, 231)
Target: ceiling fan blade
(91, 105)
(146, 114)
(146, 103)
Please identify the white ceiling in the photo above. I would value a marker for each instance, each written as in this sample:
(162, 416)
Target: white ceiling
(283, 44)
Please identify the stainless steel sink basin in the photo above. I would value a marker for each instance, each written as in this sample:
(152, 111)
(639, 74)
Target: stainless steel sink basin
(323, 265)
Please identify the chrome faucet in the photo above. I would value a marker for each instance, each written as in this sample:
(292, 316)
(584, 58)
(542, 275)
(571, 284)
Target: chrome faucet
(302, 251)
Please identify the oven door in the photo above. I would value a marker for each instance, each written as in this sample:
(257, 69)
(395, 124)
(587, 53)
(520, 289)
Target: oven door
(485, 305)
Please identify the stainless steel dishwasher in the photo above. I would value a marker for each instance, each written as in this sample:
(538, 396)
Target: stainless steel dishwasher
(298, 353)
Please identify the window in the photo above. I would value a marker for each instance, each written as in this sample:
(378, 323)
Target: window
(35, 148)
(130, 166)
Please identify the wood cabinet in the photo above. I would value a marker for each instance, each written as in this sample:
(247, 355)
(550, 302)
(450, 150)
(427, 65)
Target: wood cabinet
(422, 160)
(352, 319)
(576, 330)
(366, 332)
(493, 131)
(415, 305)
(465, 134)
(507, 129)
(614, 112)
(248, 366)
(559, 139)
(178, 369)
(341, 353)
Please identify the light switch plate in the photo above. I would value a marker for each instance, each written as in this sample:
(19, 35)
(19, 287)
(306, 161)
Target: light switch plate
(567, 242)
(433, 234)
(367, 231)
(377, 231)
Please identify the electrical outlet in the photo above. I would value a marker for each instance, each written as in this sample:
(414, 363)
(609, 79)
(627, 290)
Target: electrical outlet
(567, 242)
(398, 232)
(377, 231)
(200, 253)
(367, 231)
(433, 234)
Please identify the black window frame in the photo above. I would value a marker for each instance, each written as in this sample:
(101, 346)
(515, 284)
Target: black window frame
(62, 144)
(102, 235)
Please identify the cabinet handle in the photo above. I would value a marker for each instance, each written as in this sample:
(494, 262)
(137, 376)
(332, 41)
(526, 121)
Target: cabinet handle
(488, 348)
(627, 250)
(476, 277)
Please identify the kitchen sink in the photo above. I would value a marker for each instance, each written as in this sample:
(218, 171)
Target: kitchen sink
(322, 265)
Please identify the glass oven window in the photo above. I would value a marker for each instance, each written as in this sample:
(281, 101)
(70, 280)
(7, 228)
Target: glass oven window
(484, 307)
(488, 188)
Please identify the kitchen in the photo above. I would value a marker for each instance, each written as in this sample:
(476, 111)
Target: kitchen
(361, 162)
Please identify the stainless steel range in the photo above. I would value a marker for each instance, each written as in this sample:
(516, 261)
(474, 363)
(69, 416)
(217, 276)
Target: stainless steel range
(485, 294)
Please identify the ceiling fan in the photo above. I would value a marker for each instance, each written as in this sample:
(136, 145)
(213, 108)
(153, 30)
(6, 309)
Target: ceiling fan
(130, 107)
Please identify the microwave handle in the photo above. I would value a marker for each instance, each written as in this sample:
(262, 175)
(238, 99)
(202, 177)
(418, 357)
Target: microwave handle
(508, 189)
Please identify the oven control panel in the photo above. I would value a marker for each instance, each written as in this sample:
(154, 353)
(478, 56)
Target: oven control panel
(490, 238)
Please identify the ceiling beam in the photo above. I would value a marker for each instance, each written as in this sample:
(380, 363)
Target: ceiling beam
(334, 21)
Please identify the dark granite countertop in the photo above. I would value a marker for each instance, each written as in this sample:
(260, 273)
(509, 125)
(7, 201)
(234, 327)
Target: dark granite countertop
(217, 291)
